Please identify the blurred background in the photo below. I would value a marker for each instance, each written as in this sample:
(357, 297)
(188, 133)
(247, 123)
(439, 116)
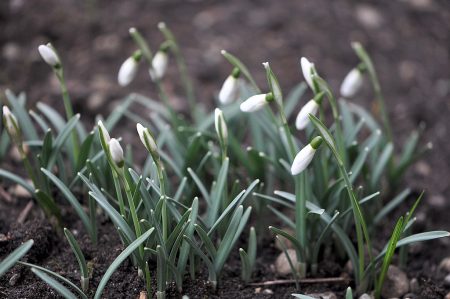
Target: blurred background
(409, 42)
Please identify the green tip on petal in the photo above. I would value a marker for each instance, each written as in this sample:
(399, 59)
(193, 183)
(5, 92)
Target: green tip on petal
(316, 142)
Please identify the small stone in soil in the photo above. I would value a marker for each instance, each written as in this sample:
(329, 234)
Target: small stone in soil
(282, 265)
(396, 283)
(447, 280)
(365, 296)
(447, 296)
(414, 285)
(325, 295)
(267, 291)
(445, 265)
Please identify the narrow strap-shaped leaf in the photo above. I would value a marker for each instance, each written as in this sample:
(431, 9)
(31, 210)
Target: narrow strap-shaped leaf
(85, 149)
(382, 161)
(14, 256)
(199, 185)
(65, 292)
(293, 98)
(16, 179)
(326, 136)
(112, 268)
(210, 248)
(61, 139)
(217, 194)
(78, 253)
(208, 262)
(391, 205)
(244, 70)
(71, 199)
(294, 241)
(245, 264)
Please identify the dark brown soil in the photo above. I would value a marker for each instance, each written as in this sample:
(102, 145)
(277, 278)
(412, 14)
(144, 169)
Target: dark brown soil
(408, 41)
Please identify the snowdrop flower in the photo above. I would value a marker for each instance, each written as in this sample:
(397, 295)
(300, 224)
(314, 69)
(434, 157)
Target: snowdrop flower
(147, 140)
(104, 134)
(230, 86)
(310, 107)
(256, 102)
(352, 83)
(49, 55)
(307, 70)
(305, 156)
(159, 65)
(116, 152)
(11, 124)
(221, 126)
(128, 69)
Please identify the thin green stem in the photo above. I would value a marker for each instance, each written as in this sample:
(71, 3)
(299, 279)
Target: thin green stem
(28, 167)
(162, 183)
(119, 193)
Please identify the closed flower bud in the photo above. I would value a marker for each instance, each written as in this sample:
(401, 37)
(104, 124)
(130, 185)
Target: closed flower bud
(159, 65)
(104, 134)
(352, 83)
(307, 70)
(128, 70)
(311, 107)
(49, 55)
(147, 139)
(221, 126)
(11, 124)
(256, 102)
(116, 152)
(305, 156)
(230, 87)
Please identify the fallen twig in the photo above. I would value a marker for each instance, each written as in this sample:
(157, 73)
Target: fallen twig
(23, 215)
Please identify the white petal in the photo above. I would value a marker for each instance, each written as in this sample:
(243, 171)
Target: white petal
(144, 135)
(116, 151)
(307, 70)
(302, 159)
(254, 103)
(228, 91)
(302, 119)
(127, 71)
(352, 83)
(10, 121)
(159, 65)
(48, 55)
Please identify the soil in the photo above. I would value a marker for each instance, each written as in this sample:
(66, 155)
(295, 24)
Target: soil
(408, 41)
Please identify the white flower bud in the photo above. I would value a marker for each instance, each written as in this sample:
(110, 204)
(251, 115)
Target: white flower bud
(221, 126)
(256, 102)
(11, 124)
(305, 156)
(229, 90)
(352, 83)
(49, 55)
(307, 70)
(159, 65)
(147, 139)
(127, 71)
(302, 119)
(103, 132)
(116, 152)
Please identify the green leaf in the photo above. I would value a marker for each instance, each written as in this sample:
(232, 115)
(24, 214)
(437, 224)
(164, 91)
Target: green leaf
(62, 290)
(273, 83)
(46, 202)
(382, 161)
(391, 205)
(61, 139)
(217, 193)
(14, 256)
(78, 253)
(300, 296)
(323, 130)
(113, 267)
(85, 149)
(200, 186)
(71, 199)
(293, 98)
(16, 179)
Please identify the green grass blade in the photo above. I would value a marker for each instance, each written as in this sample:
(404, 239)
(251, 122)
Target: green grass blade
(16, 179)
(62, 290)
(113, 267)
(78, 253)
(14, 256)
(244, 70)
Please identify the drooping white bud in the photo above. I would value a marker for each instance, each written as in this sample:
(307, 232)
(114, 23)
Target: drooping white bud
(103, 132)
(305, 156)
(11, 124)
(127, 71)
(302, 119)
(352, 83)
(229, 90)
(49, 55)
(256, 102)
(159, 65)
(307, 70)
(147, 139)
(116, 152)
(221, 126)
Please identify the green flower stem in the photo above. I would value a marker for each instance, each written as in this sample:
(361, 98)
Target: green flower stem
(27, 164)
(67, 107)
(132, 208)
(162, 187)
(187, 83)
(118, 192)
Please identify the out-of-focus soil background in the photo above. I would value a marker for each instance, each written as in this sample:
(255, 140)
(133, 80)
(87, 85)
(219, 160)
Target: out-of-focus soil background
(409, 42)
